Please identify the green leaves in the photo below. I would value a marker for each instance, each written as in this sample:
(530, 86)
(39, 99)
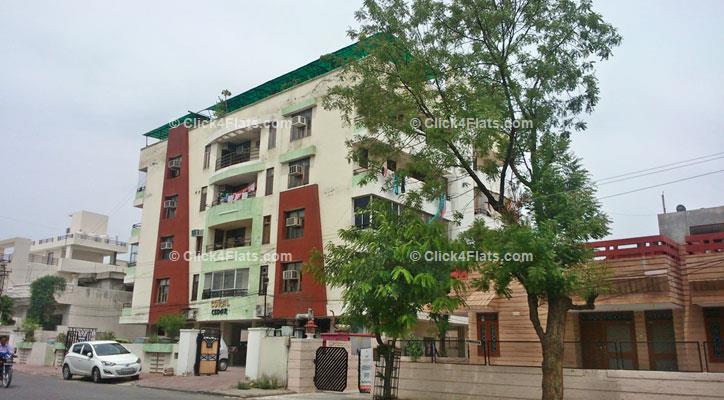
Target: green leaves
(384, 287)
(42, 299)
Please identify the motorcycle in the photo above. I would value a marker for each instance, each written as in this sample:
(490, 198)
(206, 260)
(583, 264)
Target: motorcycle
(7, 368)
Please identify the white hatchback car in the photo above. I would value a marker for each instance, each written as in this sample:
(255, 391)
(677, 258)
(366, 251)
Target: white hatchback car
(102, 359)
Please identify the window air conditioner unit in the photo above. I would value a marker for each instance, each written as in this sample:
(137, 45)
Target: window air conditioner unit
(169, 204)
(293, 222)
(292, 274)
(299, 121)
(166, 245)
(259, 312)
(175, 163)
(296, 170)
(197, 232)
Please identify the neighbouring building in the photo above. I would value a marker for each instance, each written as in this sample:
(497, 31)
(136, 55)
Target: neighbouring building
(665, 311)
(88, 260)
(269, 180)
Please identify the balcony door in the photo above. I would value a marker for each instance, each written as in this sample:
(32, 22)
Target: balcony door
(607, 340)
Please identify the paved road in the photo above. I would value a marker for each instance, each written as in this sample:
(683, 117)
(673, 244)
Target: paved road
(38, 387)
(41, 387)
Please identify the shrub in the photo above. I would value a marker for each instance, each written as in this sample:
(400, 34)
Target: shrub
(171, 324)
(413, 348)
(29, 327)
(153, 339)
(106, 336)
(264, 383)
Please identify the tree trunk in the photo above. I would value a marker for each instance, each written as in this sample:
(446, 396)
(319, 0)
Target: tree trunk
(553, 346)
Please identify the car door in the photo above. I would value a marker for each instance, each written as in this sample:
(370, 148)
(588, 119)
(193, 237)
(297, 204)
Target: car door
(73, 357)
(85, 363)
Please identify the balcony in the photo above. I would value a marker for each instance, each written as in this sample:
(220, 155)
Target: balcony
(130, 276)
(704, 268)
(81, 239)
(140, 195)
(644, 270)
(135, 232)
(230, 159)
(237, 210)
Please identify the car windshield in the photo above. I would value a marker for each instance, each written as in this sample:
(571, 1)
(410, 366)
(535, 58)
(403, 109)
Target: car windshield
(110, 349)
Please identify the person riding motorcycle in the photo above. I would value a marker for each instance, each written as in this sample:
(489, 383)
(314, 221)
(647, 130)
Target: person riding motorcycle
(6, 349)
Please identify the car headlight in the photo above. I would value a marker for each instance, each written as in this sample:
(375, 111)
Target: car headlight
(138, 360)
(108, 363)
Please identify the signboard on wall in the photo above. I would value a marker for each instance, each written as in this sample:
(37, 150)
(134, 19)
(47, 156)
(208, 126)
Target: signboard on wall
(366, 370)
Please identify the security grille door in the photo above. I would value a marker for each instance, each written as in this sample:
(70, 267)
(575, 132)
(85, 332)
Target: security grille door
(330, 369)
(75, 335)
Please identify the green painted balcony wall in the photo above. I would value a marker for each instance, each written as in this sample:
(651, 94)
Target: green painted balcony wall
(250, 208)
(236, 169)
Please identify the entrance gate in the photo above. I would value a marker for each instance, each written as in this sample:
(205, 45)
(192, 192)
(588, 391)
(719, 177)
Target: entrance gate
(75, 335)
(207, 351)
(330, 369)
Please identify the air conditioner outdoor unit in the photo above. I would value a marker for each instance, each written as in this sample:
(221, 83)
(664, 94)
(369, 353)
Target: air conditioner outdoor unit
(169, 204)
(296, 170)
(175, 163)
(293, 222)
(197, 232)
(166, 245)
(259, 312)
(292, 274)
(191, 314)
(299, 121)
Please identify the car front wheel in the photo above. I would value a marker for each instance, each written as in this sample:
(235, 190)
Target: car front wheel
(96, 375)
(66, 372)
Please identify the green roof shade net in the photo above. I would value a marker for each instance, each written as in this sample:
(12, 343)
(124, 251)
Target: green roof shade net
(302, 74)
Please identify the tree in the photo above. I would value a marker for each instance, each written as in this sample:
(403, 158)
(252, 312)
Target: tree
(386, 279)
(492, 89)
(42, 299)
(6, 310)
(171, 324)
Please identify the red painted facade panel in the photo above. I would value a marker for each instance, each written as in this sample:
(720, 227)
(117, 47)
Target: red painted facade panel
(177, 272)
(312, 294)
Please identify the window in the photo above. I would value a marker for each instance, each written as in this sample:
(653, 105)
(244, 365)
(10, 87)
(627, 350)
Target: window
(361, 218)
(305, 130)
(294, 223)
(269, 188)
(263, 279)
(195, 288)
(207, 156)
(714, 321)
(132, 254)
(86, 349)
(199, 244)
(202, 202)
(488, 334)
(162, 291)
(272, 135)
(266, 231)
(228, 283)
(169, 206)
(298, 172)
(174, 167)
(292, 282)
(166, 247)
(77, 348)
(391, 165)
(363, 158)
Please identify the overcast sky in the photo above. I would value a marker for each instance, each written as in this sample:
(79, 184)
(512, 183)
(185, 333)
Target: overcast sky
(80, 82)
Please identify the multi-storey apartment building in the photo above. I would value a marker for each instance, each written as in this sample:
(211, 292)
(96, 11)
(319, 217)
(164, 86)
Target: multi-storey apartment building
(87, 258)
(248, 196)
(665, 310)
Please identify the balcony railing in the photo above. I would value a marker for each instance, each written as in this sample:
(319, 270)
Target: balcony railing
(229, 244)
(81, 236)
(705, 243)
(236, 158)
(646, 246)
